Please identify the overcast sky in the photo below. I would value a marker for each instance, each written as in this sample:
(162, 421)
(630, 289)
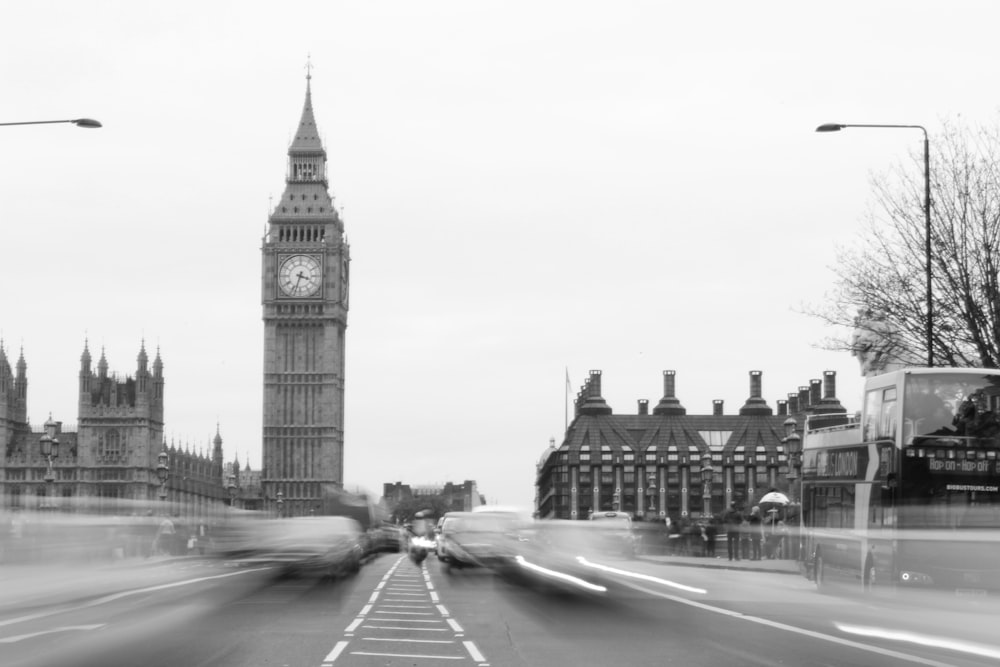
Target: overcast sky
(527, 187)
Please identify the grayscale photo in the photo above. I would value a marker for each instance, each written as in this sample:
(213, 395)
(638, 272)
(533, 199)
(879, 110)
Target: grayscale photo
(557, 333)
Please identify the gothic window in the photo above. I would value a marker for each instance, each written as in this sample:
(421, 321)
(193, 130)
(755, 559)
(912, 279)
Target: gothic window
(110, 443)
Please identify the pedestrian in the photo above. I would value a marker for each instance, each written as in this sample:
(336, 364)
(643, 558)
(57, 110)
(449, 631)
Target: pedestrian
(731, 520)
(711, 532)
(755, 530)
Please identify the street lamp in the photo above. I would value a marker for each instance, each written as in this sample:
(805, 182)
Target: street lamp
(837, 127)
(651, 491)
(280, 502)
(706, 483)
(49, 445)
(231, 487)
(162, 472)
(79, 122)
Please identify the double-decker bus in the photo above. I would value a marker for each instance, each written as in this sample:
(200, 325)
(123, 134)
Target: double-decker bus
(907, 494)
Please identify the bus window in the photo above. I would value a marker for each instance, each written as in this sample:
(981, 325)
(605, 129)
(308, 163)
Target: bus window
(880, 414)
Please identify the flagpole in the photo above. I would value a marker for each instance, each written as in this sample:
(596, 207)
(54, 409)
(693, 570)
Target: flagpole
(566, 404)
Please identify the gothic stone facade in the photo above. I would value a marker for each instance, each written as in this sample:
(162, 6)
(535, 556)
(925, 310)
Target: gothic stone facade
(110, 462)
(304, 297)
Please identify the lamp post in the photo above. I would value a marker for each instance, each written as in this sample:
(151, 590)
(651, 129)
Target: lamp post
(162, 472)
(837, 127)
(231, 487)
(79, 122)
(49, 445)
(706, 483)
(280, 502)
(651, 492)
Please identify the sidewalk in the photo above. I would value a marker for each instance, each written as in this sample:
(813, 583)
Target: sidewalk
(778, 566)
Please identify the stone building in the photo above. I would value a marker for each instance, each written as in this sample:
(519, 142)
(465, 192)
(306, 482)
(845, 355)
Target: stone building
(447, 497)
(113, 460)
(304, 283)
(665, 462)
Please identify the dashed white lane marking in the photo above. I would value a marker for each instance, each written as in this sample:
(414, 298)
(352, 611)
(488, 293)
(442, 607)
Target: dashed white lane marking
(390, 612)
(405, 613)
(392, 627)
(335, 653)
(474, 652)
(415, 641)
(409, 655)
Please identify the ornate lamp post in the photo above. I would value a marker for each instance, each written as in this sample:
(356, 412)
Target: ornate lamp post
(231, 487)
(49, 445)
(706, 484)
(836, 127)
(162, 472)
(651, 492)
(280, 502)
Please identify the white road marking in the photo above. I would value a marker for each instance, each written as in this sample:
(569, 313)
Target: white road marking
(474, 652)
(65, 628)
(332, 655)
(443, 611)
(454, 625)
(409, 655)
(405, 613)
(354, 624)
(392, 627)
(418, 641)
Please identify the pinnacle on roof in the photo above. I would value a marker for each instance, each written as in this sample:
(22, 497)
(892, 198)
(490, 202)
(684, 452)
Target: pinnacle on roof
(307, 135)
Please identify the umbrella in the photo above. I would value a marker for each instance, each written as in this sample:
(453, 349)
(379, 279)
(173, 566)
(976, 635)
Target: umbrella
(774, 498)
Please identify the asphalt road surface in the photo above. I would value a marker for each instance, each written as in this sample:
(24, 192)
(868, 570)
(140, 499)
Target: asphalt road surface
(190, 613)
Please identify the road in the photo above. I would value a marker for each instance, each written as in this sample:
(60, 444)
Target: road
(195, 612)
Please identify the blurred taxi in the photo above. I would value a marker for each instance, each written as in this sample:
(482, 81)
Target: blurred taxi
(480, 538)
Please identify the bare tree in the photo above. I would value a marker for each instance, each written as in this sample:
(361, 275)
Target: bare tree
(880, 291)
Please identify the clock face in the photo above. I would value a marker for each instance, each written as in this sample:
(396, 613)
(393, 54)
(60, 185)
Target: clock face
(300, 275)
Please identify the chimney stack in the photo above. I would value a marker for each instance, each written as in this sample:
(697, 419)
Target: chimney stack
(755, 405)
(643, 406)
(717, 407)
(669, 404)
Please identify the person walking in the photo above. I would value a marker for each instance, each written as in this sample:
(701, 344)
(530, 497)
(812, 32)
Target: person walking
(711, 532)
(755, 528)
(731, 520)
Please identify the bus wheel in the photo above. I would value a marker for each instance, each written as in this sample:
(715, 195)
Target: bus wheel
(819, 574)
(870, 578)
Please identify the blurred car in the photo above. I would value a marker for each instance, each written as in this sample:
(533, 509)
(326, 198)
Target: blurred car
(567, 556)
(616, 534)
(388, 538)
(481, 538)
(324, 545)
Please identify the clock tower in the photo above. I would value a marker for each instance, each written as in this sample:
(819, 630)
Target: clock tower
(304, 295)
